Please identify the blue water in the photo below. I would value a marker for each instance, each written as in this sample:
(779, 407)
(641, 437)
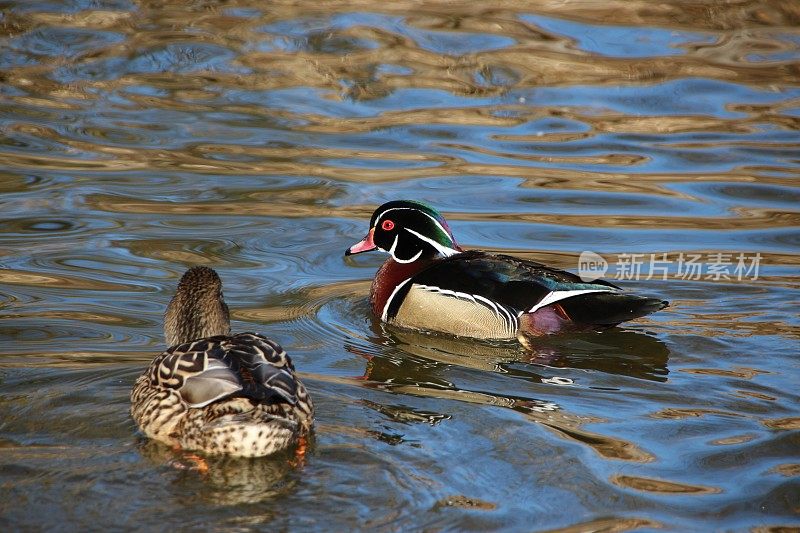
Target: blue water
(138, 139)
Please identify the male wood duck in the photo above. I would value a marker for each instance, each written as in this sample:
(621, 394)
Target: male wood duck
(216, 392)
(431, 283)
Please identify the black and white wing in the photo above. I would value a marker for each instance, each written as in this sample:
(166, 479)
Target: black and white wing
(208, 370)
(513, 284)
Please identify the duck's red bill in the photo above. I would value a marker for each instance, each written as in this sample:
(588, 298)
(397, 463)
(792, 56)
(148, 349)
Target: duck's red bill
(364, 245)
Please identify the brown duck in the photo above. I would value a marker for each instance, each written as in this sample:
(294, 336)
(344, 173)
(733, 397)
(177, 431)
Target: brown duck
(216, 392)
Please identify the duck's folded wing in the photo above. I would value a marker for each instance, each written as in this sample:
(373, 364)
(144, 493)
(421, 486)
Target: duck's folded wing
(218, 381)
(211, 369)
(263, 367)
(197, 371)
(513, 284)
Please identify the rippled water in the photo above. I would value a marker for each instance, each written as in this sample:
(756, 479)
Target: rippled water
(139, 138)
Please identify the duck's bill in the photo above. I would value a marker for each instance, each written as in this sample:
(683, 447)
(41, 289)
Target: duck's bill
(364, 245)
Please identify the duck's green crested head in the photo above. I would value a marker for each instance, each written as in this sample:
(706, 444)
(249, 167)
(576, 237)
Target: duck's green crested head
(408, 230)
(198, 309)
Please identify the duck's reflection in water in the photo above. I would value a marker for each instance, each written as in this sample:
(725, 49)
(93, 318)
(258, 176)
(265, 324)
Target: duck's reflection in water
(423, 364)
(226, 480)
(616, 351)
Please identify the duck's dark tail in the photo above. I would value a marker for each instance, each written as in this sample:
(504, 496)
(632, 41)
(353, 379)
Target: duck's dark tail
(609, 308)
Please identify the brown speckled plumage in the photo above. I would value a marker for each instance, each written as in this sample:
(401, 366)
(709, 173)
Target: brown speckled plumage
(215, 392)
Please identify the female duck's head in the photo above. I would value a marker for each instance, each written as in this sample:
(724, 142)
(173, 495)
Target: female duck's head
(409, 231)
(198, 309)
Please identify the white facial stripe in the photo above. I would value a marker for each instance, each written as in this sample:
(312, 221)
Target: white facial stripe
(438, 224)
(385, 314)
(443, 250)
(556, 296)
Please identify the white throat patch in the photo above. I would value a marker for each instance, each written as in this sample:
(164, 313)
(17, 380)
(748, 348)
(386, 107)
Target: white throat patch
(394, 247)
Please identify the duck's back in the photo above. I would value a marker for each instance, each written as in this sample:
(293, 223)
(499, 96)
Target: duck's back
(225, 394)
(496, 296)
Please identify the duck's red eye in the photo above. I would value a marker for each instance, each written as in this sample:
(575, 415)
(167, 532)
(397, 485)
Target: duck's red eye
(388, 225)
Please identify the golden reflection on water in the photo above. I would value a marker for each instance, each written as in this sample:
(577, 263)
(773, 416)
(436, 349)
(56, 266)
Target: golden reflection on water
(730, 441)
(80, 360)
(662, 486)
(609, 525)
(750, 219)
(790, 423)
(466, 503)
(788, 470)
(681, 413)
(559, 61)
(759, 395)
(76, 315)
(61, 281)
(253, 138)
(741, 373)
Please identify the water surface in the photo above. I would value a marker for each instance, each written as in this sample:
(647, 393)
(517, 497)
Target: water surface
(140, 138)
